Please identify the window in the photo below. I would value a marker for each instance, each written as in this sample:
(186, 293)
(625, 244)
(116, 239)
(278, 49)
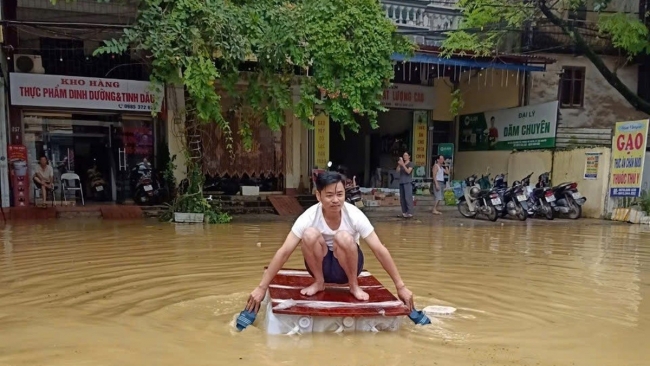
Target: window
(572, 87)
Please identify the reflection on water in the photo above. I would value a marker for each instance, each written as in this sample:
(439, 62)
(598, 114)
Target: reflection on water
(102, 293)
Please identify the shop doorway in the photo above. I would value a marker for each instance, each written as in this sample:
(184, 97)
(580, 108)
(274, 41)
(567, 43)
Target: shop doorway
(85, 151)
(101, 149)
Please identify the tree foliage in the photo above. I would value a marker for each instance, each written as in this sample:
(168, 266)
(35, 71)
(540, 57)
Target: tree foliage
(487, 23)
(344, 45)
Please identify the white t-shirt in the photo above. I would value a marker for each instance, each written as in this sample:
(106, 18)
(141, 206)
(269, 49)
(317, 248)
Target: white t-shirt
(47, 173)
(353, 221)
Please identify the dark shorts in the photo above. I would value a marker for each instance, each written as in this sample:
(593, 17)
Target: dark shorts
(332, 270)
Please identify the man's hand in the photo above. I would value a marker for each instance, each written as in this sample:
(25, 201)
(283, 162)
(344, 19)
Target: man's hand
(255, 299)
(406, 296)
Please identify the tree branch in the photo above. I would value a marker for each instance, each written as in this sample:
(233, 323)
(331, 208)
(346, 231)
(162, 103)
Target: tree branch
(611, 77)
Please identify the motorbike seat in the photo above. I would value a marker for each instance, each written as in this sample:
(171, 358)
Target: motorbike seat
(538, 191)
(564, 185)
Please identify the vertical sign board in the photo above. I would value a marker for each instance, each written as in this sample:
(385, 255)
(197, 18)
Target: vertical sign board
(19, 171)
(628, 155)
(420, 132)
(321, 140)
(447, 150)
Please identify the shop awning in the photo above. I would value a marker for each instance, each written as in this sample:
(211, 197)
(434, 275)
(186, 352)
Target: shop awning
(470, 63)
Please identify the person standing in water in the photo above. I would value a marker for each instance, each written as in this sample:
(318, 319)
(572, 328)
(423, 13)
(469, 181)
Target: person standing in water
(405, 168)
(329, 234)
(438, 172)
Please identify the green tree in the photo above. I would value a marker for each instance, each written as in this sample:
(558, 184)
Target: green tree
(487, 23)
(345, 47)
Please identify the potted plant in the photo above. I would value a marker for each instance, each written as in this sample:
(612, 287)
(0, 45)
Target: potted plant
(189, 205)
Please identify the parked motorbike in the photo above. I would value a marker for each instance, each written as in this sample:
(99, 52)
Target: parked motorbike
(513, 198)
(97, 185)
(540, 199)
(479, 201)
(352, 190)
(568, 199)
(146, 187)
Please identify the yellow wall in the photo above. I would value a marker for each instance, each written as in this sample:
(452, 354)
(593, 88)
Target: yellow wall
(295, 150)
(565, 166)
(520, 164)
(487, 90)
(175, 129)
(569, 166)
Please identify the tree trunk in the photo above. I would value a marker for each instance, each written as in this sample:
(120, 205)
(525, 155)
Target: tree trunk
(611, 77)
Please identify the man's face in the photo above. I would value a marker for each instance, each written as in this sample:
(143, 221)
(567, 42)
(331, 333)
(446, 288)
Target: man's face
(492, 122)
(332, 196)
(441, 159)
(42, 161)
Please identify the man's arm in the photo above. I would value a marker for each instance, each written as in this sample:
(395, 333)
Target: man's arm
(279, 259)
(384, 257)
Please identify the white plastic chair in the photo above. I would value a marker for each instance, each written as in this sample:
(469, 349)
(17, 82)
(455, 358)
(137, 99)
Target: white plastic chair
(66, 179)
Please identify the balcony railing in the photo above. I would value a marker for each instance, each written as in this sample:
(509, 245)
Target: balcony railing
(424, 15)
(409, 15)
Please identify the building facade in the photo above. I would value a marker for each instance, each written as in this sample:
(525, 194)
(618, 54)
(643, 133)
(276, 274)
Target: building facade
(89, 115)
(586, 98)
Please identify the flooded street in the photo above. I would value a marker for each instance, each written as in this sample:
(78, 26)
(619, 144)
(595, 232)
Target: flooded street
(112, 293)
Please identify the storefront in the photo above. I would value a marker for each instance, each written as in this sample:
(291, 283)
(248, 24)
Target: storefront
(99, 129)
(371, 155)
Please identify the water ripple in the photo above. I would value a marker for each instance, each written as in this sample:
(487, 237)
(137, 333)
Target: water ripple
(526, 294)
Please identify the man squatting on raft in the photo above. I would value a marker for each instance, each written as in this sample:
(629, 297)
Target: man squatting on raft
(331, 255)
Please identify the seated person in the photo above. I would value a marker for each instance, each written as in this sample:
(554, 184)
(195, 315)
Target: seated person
(44, 177)
(347, 182)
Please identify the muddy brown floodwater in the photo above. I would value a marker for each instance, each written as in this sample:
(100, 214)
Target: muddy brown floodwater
(104, 293)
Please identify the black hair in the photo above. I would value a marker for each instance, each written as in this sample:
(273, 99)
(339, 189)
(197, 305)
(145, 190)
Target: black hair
(326, 178)
(492, 118)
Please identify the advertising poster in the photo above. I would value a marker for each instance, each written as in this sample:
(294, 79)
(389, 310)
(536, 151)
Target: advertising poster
(447, 150)
(628, 155)
(591, 165)
(522, 128)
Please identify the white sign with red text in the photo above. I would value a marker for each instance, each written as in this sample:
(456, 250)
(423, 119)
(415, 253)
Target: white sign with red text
(37, 90)
(408, 96)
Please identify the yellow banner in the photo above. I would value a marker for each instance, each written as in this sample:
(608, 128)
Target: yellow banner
(628, 153)
(321, 140)
(420, 133)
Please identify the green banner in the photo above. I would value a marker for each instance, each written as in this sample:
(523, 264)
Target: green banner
(523, 128)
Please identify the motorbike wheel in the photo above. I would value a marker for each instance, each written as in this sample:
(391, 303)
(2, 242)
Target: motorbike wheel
(463, 208)
(492, 213)
(576, 209)
(141, 198)
(548, 211)
(522, 214)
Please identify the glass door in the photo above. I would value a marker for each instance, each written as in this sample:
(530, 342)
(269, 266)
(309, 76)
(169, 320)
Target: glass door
(132, 145)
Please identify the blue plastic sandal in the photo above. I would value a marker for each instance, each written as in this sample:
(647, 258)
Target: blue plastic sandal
(245, 319)
(419, 317)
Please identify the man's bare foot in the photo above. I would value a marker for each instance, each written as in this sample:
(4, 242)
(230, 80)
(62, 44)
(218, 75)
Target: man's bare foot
(359, 293)
(437, 213)
(315, 288)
